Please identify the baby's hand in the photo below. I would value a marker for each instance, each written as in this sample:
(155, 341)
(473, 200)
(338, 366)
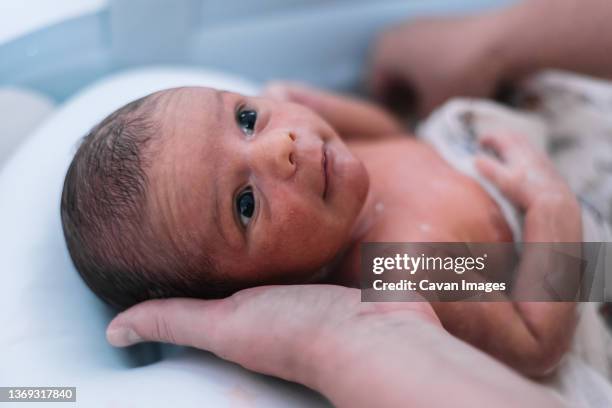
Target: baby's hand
(528, 178)
(351, 117)
(278, 90)
(288, 91)
(316, 99)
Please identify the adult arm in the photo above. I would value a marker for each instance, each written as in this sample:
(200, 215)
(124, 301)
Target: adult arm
(566, 34)
(439, 58)
(356, 354)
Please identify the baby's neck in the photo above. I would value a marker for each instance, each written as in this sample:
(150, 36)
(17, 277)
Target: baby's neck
(371, 212)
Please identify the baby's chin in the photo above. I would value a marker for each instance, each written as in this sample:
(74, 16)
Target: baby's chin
(362, 181)
(357, 188)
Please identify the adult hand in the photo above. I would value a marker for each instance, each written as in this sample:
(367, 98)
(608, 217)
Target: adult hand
(322, 336)
(427, 61)
(275, 330)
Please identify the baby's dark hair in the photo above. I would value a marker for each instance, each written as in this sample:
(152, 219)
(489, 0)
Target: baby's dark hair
(105, 217)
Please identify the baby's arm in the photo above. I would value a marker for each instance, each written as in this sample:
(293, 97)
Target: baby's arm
(531, 336)
(351, 117)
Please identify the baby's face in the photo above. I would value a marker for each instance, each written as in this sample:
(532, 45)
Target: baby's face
(266, 187)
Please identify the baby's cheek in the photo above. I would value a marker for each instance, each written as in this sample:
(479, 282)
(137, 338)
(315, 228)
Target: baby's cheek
(301, 237)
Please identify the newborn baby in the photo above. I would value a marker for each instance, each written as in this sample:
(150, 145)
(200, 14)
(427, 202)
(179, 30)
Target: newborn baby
(195, 192)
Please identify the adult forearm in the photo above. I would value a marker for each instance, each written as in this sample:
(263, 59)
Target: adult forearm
(565, 34)
(397, 362)
(356, 354)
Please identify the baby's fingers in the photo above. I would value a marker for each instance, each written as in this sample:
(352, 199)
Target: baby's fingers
(278, 90)
(501, 176)
(511, 148)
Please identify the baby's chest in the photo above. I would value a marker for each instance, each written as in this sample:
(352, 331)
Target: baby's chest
(452, 216)
(423, 203)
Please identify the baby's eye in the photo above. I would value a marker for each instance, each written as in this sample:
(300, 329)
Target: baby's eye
(245, 205)
(246, 119)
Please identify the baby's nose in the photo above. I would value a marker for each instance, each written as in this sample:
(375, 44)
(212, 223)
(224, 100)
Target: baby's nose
(278, 153)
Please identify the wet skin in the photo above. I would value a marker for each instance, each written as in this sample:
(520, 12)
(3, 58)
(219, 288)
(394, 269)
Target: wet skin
(272, 198)
(274, 194)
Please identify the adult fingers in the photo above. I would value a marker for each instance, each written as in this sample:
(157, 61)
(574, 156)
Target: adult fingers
(270, 316)
(188, 322)
(268, 329)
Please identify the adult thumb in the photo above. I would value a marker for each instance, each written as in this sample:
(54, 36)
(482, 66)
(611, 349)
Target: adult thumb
(187, 322)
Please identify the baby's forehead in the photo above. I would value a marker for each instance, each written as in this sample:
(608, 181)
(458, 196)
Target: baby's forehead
(189, 95)
(183, 171)
(189, 107)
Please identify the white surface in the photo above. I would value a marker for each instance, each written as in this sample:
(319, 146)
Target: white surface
(52, 326)
(18, 17)
(22, 111)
